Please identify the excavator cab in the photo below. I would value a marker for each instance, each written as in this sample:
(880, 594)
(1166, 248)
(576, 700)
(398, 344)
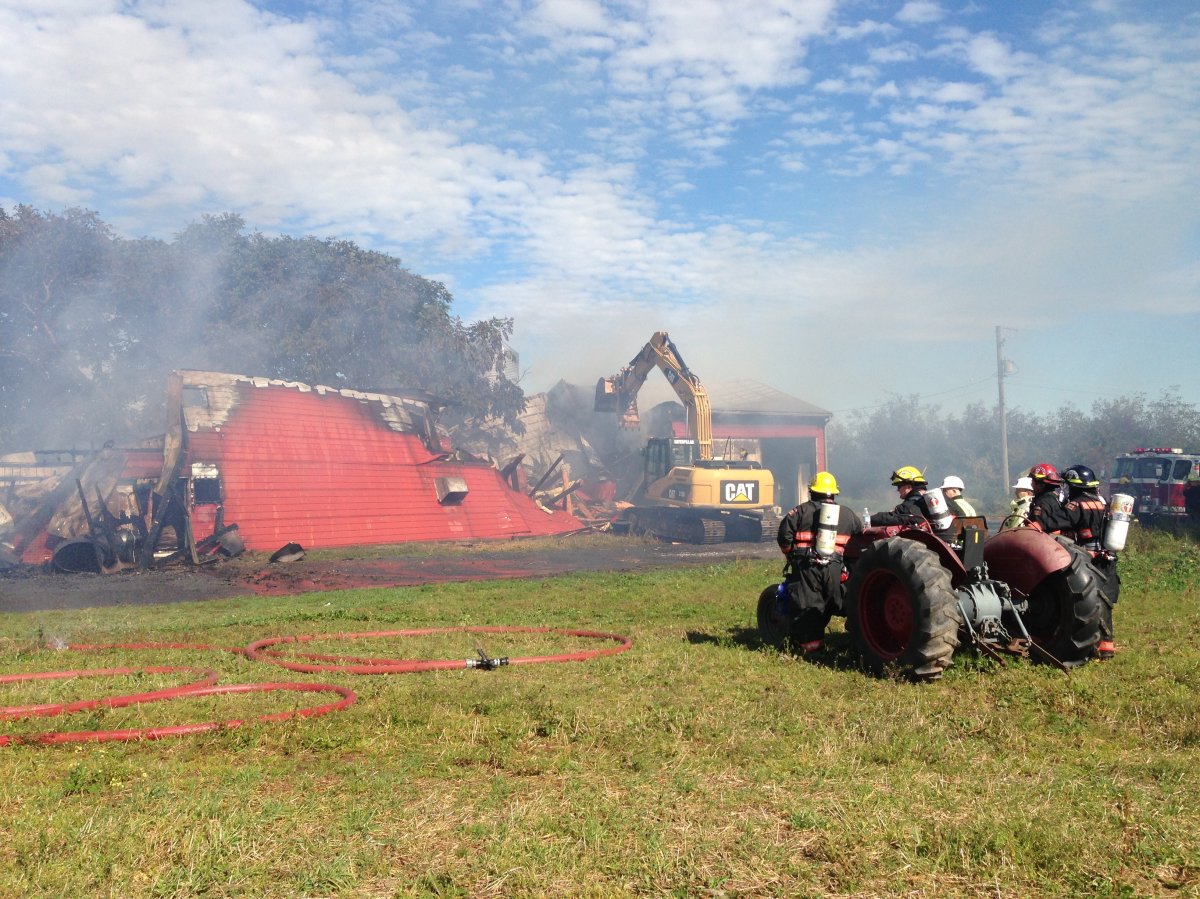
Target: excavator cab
(664, 453)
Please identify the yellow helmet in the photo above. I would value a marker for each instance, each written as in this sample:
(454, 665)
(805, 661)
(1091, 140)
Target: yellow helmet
(907, 475)
(823, 482)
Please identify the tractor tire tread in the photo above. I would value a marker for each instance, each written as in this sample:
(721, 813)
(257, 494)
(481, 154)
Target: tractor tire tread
(1079, 604)
(936, 623)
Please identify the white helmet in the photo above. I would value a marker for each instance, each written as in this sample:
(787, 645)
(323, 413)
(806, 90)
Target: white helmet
(955, 482)
(1023, 484)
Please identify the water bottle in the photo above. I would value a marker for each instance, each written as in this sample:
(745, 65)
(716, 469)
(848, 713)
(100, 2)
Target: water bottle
(866, 517)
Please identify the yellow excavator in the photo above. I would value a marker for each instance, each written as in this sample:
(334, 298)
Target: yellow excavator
(686, 495)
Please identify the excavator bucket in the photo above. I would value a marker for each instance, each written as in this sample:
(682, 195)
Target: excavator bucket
(607, 399)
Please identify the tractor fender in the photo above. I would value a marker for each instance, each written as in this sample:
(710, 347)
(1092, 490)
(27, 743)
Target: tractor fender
(946, 555)
(1023, 558)
(948, 558)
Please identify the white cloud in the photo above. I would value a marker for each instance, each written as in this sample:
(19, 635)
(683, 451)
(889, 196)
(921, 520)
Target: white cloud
(1105, 108)
(920, 12)
(689, 67)
(833, 86)
(886, 91)
(573, 15)
(740, 299)
(958, 92)
(865, 28)
(236, 108)
(992, 57)
(893, 53)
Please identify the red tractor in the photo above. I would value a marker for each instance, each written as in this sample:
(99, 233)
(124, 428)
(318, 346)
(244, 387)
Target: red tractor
(913, 598)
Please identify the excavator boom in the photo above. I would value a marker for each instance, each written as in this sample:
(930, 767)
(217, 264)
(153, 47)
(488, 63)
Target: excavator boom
(619, 393)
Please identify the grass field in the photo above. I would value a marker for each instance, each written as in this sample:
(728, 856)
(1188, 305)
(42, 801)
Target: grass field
(696, 764)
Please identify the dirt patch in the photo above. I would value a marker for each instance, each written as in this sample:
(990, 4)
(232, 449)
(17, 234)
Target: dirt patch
(33, 590)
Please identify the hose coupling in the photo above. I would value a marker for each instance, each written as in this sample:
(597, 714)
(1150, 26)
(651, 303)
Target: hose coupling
(485, 662)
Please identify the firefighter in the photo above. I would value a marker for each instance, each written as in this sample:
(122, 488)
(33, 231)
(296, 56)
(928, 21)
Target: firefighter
(1045, 509)
(814, 572)
(952, 489)
(1085, 513)
(913, 507)
(1019, 507)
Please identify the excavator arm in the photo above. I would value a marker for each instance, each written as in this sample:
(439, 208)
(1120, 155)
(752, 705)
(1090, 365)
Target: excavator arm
(619, 392)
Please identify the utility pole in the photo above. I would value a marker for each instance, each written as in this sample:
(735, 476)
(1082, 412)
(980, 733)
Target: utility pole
(1003, 367)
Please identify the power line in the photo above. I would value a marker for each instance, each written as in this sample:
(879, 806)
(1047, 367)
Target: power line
(920, 396)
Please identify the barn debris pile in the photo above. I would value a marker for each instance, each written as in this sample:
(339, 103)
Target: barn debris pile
(97, 511)
(256, 463)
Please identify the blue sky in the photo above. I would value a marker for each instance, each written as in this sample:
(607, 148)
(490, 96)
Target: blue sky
(840, 198)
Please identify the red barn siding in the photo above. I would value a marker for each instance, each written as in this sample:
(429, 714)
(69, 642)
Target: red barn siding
(326, 470)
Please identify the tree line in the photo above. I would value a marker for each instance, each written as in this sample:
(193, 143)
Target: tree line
(864, 447)
(91, 323)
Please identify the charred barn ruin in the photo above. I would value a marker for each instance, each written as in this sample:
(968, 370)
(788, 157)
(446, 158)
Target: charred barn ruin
(256, 463)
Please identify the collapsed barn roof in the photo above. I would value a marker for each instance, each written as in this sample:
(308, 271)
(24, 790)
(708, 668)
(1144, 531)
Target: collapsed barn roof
(284, 462)
(326, 466)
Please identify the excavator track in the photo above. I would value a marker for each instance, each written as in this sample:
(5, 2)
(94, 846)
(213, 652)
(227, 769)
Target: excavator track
(752, 527)
(770, 527)
(678, 525)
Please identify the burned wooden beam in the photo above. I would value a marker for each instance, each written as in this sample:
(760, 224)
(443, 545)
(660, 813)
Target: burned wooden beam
(544, 478)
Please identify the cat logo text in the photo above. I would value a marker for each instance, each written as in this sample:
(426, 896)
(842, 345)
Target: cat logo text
(740, 493)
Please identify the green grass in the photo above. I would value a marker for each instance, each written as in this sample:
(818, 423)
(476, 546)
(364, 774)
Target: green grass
(696, 764)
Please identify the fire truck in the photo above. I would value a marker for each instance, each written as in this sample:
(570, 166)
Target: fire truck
(1156, 478)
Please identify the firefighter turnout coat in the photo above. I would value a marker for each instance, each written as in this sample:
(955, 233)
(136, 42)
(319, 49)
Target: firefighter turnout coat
(912, 509)
(1084, 514)
(1046, 513)
(798, 530)
(1083, 517)
(814, 583)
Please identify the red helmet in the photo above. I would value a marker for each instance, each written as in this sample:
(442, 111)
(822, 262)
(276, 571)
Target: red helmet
(1045, 473)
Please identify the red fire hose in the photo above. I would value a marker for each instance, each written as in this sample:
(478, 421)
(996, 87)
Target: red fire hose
(354, 665)
(95, 647)
(157, 733)
(111, 702)
(206, 685)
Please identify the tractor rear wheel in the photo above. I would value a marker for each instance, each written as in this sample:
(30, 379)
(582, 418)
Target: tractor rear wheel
(901, 611)
(774, 623)
(1065, 609)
